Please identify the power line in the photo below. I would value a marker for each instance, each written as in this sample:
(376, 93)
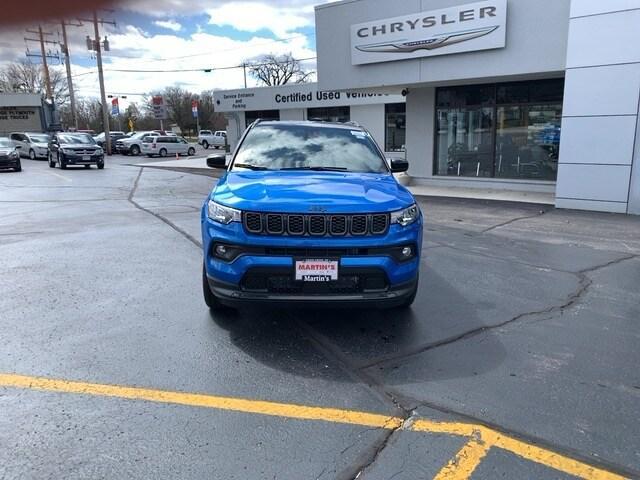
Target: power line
(190, 70)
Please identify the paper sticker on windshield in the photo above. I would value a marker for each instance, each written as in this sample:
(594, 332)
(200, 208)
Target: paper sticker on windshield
(359, 134)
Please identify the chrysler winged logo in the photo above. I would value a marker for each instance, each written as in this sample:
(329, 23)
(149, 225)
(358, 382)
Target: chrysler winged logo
(429, 43)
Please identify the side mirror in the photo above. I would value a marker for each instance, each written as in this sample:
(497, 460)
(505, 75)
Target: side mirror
(18, 147)
(398, 165)
(217, 161)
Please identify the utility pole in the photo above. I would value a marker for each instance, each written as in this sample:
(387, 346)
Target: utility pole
(97, 46)
(43, 55)
(105, 112)
(65, 51)
(244, 69)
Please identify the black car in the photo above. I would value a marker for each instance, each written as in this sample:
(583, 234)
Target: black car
(9, 156)
(75, 149)
(115, 136)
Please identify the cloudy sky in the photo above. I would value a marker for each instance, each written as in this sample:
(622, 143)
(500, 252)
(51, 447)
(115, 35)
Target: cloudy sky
(181, 35)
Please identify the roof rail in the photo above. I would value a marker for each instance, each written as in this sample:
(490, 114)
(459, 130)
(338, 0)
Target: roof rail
(354, 123)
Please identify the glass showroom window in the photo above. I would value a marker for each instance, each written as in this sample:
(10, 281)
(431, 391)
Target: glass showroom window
(509, 130)
(395, 115)
(252, 115)
(329, 114)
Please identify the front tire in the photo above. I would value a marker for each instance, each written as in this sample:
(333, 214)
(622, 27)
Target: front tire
(408, 301)
(100, 165)
(209, 298)
(18, 167)
(205, 145)
(32, 154)
(191, 152)
(135, 150)
(62, 162)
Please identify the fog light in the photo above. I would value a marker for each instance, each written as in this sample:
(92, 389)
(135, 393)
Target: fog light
(221, 250)
(407, 252)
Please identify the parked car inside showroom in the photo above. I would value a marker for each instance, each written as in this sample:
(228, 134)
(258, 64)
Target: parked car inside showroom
(75, 149)
(310, 213)
(31, 145)
(9, 156)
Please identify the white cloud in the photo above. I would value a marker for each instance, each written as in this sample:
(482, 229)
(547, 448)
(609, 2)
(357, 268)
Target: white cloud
(135, 50)
(255, 16)
(168, 24)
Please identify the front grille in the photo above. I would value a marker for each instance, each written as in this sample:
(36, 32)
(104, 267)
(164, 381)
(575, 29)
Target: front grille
(83, 151)
(282, 282)
(315, 224)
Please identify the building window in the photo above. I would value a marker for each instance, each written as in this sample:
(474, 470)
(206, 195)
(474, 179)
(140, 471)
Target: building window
(329, 114)
(252, 116)
(509, 130)
(395, 115)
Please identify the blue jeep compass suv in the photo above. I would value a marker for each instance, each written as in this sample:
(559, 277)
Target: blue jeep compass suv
(310, 213)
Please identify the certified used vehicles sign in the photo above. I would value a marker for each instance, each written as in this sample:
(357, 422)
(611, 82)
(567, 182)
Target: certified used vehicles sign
(464, 28)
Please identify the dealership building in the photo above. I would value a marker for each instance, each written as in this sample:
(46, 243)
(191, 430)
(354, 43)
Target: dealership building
(24, 112)
(525, 95)
(383, 114)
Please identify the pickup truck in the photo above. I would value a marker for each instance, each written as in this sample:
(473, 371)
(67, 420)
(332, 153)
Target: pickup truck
(216, 139)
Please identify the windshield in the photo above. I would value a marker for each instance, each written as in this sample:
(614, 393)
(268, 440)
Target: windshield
(313, 147)
(78, 138)
(39, 138)
(5, 143)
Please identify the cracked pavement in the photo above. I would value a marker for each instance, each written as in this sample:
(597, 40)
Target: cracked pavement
(527, 321)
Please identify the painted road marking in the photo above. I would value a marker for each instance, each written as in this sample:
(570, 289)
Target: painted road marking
(482, 438)
(465, 462)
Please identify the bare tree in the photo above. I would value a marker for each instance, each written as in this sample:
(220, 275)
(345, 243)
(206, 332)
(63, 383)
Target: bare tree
(275, 70)
(24, 76)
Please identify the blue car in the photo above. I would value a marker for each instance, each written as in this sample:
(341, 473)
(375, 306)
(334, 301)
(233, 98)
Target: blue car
(309, 213)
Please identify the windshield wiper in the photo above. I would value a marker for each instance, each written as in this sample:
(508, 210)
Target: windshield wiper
(250, 167)
(318, 169)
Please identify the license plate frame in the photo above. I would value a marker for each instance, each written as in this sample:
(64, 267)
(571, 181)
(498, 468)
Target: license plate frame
(316, 270)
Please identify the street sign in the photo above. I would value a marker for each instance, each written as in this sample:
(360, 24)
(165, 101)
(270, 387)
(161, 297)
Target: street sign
(158, 107)
(194, 108)
(115, 108)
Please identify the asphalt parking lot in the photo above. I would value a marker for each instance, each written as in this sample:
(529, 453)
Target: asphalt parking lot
(519, 358)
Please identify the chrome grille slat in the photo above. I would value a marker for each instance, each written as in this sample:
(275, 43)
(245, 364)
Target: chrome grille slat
(317, 225)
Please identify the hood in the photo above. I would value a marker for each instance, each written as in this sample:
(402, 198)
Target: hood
(40, 145)
(6, 151)
(300, 192)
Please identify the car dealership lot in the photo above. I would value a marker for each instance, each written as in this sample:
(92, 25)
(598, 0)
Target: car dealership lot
(518, 359)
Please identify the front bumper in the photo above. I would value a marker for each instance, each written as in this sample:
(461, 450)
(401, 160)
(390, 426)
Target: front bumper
(73, 159)
(228, 280)
(9, 162)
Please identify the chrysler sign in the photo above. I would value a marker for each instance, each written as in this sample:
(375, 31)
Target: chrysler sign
(465, 28)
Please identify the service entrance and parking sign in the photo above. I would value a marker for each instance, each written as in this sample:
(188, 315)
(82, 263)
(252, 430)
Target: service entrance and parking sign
(464, 28)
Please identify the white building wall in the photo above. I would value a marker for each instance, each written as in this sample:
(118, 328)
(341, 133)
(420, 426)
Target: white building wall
(370, 117)
(420, 131)
(597, 169)
(293, 114)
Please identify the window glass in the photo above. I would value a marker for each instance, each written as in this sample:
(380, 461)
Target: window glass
(76, 138)
(465, 142)
(528, 140)
(514, 134)
(5, 143)
(275, 147)
(395, 126)
(252, 116)
(329, 114)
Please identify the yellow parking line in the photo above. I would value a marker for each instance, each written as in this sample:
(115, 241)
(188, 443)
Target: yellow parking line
(466, 460)
(200, 400)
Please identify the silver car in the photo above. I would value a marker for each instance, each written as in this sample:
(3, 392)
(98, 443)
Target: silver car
(32, 145)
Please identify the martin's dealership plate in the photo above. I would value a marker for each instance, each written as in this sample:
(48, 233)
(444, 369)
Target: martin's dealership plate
(316, 270)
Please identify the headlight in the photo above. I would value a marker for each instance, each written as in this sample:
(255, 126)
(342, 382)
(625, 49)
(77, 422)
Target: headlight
(222, 214)
(99, 151)
(66, 150)
(14, 154)
(407, 216)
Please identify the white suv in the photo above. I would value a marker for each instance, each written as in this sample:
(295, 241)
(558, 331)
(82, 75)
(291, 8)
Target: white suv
(32, 145)
(165, 145)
